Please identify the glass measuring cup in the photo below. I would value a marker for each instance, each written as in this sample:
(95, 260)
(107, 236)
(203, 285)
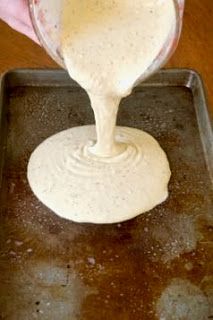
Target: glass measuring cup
(45, 15)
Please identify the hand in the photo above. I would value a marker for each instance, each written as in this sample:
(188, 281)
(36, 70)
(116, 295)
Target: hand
(16, 14)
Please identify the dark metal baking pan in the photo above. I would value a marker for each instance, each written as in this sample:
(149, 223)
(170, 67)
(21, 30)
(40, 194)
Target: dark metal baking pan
(156, 266)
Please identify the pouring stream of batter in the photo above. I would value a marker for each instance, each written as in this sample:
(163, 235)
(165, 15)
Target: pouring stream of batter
(105, 174)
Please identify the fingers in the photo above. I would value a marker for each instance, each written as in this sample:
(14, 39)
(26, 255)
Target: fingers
(23, 28)
(16, 14)
(17, 9)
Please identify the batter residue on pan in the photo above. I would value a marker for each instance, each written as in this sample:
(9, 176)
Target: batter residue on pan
(105, 174)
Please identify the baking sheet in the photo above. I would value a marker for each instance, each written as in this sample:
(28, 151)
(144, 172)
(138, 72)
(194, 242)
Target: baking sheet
(156, 266)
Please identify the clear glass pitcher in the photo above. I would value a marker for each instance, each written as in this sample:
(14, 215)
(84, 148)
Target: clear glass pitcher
(45, 15)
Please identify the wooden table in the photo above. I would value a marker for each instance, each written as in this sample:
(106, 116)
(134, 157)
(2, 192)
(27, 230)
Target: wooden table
(195, 49)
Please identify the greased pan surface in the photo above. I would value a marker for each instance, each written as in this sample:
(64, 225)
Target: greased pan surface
(156, 266)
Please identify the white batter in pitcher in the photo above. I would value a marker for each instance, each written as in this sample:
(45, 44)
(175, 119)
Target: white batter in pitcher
(105, 174)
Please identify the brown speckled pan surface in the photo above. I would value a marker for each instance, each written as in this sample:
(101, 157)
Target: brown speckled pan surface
(156, 266)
